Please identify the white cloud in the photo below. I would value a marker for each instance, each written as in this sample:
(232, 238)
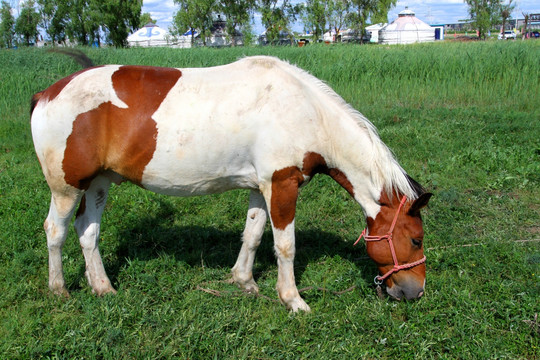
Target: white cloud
(161, 11)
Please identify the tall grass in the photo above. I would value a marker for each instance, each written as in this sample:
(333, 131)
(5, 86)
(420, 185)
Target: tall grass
(462, 118)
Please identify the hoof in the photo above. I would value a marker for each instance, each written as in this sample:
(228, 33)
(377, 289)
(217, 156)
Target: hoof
(249, 286)
(102, 292)
(62, 292)
(298, 305)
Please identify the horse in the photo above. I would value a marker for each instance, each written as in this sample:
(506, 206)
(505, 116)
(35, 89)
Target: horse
(259, 123)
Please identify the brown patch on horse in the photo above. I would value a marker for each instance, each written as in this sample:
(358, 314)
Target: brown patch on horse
(315, 163)
(285, 183)
(122, 140)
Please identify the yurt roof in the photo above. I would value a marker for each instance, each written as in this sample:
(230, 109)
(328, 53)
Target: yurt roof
(150, 31)
(407, 21)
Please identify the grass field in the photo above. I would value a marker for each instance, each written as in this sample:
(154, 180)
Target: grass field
(462, 118)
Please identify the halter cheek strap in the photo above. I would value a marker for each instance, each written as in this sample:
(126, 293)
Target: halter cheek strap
(379, 279)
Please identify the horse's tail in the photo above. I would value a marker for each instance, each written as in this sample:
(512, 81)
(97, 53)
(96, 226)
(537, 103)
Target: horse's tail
(34, 101)
(76, 55)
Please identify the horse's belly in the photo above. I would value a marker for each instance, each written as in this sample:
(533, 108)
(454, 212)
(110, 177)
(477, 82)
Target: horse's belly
(186, 172)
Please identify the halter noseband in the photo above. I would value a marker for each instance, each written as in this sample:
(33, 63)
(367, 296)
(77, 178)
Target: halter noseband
(379, 279)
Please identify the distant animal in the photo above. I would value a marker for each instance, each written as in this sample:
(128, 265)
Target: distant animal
(259, 124)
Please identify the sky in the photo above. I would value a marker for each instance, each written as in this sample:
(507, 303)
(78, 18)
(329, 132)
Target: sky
(430, 11)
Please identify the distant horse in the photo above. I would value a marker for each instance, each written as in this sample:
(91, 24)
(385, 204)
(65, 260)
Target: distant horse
(259, 124)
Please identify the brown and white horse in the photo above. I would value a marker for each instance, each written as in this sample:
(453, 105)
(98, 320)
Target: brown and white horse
(259, 124)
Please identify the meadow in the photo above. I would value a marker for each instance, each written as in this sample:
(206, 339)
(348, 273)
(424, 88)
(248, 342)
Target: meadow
(462, 118)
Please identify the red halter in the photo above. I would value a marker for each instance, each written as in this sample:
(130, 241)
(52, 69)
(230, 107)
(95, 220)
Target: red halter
(379, 279)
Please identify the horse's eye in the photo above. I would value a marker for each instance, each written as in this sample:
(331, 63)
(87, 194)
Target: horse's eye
(416, 242)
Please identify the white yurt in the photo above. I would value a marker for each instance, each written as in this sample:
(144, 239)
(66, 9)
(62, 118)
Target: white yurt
(149, 35)
(406, 29)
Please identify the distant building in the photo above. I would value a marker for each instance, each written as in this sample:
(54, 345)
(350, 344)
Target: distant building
(150, 35)
(406, 29)
(439, 31)
(374, 31)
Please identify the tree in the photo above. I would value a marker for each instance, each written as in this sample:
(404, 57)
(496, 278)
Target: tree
(361, 10)
(146, 18)
(526, 22)
(506, 11)
(194, 15)
(7, 26)
(27, 22)
(380, 12)
(315, 15)
(119, 18)
(339, 14)
(277, 18)
(237, 14)
(84, 21)
(54, 17)
(484, 14)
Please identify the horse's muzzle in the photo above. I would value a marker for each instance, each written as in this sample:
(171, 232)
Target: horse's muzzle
(405, 292)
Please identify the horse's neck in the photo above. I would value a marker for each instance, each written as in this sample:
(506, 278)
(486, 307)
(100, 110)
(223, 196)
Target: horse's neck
(352, 153)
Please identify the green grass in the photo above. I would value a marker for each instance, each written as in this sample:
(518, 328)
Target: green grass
(463, 119)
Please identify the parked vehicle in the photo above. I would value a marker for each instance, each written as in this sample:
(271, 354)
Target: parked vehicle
(532, 35)
(508, 35)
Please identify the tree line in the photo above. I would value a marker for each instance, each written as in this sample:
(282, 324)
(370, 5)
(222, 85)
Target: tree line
(488, 13)
(96, 21)
(86, 22)
(277, 17)
(82, 21)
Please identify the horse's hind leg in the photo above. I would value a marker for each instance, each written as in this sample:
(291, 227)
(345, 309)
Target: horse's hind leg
(242, 272)
(56, 227)
(87, 224)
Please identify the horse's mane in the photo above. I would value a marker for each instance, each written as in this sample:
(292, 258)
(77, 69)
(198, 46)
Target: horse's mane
(385, 170)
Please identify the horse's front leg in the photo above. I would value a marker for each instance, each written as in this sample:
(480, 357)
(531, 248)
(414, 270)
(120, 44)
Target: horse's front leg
(281, 199)
(242, 272)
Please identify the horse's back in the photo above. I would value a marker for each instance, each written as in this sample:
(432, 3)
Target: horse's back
(177, 131)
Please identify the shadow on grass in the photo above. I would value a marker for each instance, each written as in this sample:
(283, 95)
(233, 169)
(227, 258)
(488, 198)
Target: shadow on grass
(153, 235)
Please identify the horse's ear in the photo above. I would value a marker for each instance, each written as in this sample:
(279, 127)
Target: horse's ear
(419, 203)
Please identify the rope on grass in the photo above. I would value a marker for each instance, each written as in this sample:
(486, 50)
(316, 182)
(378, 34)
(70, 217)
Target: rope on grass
(235, 293)
(534, 323)
(477, 244)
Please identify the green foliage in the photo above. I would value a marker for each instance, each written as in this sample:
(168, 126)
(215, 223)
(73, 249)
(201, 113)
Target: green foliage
(315, 15)
(277, 17)
(462, 118)
(54, 15)
(7, 26)
(27, 22)
(119, 18)
(484, 15)
(339, 12)
(237, 15)
(380, 13)
(320, 16)
(194, 15)
(145, 19)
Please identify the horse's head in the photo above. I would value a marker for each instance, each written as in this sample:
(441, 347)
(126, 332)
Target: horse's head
(395, 243)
